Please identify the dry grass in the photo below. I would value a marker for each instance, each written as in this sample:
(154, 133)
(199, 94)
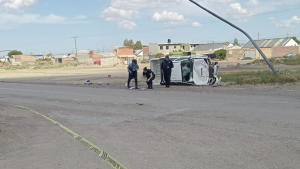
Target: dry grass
(261, 77)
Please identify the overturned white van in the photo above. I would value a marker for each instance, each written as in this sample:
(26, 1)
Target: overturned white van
(193, 70)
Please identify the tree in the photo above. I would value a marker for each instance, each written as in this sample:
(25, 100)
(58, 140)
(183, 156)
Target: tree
(14, 52)
(236, 42)
(49, 55)
(138, 45)
(221, 54)
(295, 39)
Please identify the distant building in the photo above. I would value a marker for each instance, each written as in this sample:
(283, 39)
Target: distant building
(211, 47)
(270, 43)
(277, 47)
(164, 48)
(146, 51)
(23, 59)
(126, 54)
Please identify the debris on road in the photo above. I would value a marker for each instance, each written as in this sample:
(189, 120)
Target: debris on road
(88, 82)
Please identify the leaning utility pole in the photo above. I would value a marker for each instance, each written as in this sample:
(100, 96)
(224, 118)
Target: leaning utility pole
(76, 47)
(253, 42)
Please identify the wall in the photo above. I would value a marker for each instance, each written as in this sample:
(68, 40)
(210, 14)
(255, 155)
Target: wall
(83, 58)
(153, 49)
(110, 61)
(205, 52)
(24, 58)
(189, 47)
(235, 54)
(125, 51)
(146, 51)
(267, 51)
(283, 51)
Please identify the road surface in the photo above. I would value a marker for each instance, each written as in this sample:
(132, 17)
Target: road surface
(214, 128)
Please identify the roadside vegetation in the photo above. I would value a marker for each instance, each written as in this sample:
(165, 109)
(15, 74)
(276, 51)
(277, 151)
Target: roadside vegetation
(283, 60)
(260, 77)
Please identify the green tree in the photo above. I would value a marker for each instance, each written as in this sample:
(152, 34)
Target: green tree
(138, 45)
(236, 42)
(159, 55)
(14, 52)
(125, 42)
(221, 54)
(295, 39)
(49, 55)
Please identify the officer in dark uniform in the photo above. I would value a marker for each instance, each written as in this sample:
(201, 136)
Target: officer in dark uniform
(132, 70)
(166, 69)
(148, 73)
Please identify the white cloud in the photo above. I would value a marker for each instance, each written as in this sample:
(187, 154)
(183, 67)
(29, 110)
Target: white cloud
(253, 3)
(114, 14)
(80, 17)
(141, 4)
(272, 18)
(288, 23)
(8, 21)
(17, 4)
(196, 24)
(237, 12)
(126, 24)
(169, 17)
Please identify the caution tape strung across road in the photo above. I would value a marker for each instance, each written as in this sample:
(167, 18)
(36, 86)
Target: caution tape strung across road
(102, 154)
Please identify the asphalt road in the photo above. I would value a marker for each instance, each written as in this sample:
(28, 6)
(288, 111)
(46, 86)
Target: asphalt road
(226, 129)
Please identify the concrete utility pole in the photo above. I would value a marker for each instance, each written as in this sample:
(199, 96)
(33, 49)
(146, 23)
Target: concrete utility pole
(76, 47)
(229, 23)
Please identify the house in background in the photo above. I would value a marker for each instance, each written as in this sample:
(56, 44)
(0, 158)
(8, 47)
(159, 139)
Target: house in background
(125, 54)
(211, 47)
(277, 47)
(270, 43)
(146, 51)
(164, 48)
(23, 60)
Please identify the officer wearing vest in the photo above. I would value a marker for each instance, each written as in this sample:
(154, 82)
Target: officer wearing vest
(132, 70)
(166, 69)
(148, 73)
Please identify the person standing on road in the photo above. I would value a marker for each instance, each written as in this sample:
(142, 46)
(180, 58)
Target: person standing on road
(166, 69)
(132, 70)
(148, 73)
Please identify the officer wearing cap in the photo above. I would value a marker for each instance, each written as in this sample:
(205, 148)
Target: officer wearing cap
(166, 69)
(132, 70)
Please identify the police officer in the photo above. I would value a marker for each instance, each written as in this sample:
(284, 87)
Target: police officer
(166, 69)
(148, 73)
(132, 70)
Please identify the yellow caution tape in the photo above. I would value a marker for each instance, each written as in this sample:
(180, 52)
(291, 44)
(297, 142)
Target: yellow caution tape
(102, 154)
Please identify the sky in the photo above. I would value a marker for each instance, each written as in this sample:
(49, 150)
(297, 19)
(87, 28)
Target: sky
(47, 26)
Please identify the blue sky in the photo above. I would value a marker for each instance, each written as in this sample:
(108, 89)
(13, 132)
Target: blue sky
(44, 26)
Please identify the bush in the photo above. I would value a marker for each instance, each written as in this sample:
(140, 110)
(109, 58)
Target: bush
(159, 55)
(221, 54)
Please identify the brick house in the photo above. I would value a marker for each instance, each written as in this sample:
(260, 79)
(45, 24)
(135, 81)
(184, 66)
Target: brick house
(126, 54)
(24, 59)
